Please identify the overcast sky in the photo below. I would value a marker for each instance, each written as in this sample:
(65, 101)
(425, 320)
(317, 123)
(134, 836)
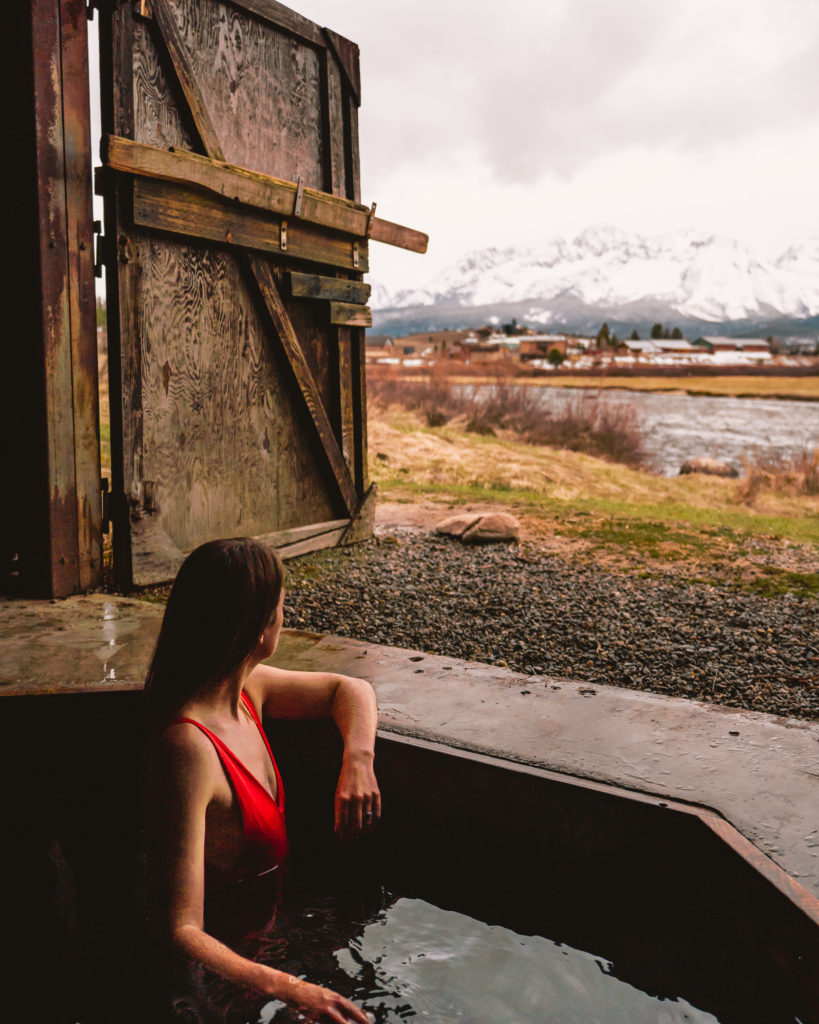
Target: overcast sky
(488, 123)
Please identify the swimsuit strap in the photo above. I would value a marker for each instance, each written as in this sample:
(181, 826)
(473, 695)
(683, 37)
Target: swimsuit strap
(224, 751)
(248, 703)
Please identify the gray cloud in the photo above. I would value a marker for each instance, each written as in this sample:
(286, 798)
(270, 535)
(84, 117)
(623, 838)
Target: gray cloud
(529, 88)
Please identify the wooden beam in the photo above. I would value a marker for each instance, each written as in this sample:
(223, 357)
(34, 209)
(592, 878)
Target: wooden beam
(350, 315)
(184, 211)
(363, 521)
(346, 401)
(82, 304)
(331, 539)
(274, 195)
(358, 353)
(395, 234)
(297, 534)
(282, 17)
(304, 378)
(312, 286)
(347, 55)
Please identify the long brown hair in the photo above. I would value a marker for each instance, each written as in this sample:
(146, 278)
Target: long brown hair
(224, 596)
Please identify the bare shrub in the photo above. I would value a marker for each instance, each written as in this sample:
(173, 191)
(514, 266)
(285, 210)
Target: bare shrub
(432, 398)
(600, 426)
(794, 474)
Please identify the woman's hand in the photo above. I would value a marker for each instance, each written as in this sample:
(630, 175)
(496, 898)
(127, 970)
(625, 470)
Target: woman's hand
(319, 1004)
(358, 800)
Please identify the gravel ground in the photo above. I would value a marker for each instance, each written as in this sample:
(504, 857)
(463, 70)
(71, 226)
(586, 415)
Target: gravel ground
(538, 613)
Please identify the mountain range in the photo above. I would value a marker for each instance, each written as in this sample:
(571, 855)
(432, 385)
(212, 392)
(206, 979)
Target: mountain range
(698, 282)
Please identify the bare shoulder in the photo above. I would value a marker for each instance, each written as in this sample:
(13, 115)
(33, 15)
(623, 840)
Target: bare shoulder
(181, 757)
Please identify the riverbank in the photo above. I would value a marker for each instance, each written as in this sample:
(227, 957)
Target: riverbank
(759, 385)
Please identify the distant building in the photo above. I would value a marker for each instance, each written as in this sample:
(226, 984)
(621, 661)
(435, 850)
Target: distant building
(538, 346)
(733, 349)
(378, 346)
(673, 345)
(431, 343)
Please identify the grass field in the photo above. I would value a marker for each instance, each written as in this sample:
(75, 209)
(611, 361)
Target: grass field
(705, 528)
(729, 386)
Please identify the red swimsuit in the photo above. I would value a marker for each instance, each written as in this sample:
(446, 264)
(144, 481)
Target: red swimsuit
(262, 816)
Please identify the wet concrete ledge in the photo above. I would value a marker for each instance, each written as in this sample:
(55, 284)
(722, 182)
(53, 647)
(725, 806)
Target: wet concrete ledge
(759, 771)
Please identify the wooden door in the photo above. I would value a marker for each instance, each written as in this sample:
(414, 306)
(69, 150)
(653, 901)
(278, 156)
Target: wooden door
(236, 248)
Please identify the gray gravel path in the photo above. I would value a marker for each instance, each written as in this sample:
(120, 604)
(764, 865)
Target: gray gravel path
(536, 613)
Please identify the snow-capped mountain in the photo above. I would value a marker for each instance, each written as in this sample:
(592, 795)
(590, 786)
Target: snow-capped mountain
(612, 274)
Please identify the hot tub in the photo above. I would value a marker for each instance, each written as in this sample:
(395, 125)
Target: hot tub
(668, 895)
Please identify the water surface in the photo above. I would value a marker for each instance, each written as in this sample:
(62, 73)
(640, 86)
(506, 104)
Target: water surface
(415, 961)
(679, 426)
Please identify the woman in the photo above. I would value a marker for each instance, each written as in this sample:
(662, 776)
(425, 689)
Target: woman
(214, 803)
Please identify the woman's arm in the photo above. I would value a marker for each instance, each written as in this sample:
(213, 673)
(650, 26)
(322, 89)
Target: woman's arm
(180, 779)
(350, 702)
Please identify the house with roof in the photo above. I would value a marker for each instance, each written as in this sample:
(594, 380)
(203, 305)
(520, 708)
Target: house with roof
(733, 350)
(378, 346)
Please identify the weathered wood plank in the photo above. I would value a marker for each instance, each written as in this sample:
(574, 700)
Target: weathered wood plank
(313, 286)
(318, 543)
(50, 566)
(282, 17)
(347, 55)
(345, 397)
(333, 126)
(361, 524)
(296, 534)
(183, 211)
(351, 315)
(304, 378)
(351, 150)
(359, 370)
(187, 79)
(82, 304)
(396, 234)
(261, 191)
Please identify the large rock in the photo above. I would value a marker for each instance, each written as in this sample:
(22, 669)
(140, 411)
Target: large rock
(712, 467)
(489, 528)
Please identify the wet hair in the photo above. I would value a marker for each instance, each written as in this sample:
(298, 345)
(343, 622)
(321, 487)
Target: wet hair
(224, 596)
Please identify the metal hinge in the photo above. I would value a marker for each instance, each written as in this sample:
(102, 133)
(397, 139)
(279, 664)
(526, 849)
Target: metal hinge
(99, 249)
(105, 494)
(94, 5)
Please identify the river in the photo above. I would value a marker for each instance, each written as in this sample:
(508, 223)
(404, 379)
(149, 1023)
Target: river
(680, 426)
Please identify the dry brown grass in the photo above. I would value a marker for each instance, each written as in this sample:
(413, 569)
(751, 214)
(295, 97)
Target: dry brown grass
(408, 458)
(793, 475)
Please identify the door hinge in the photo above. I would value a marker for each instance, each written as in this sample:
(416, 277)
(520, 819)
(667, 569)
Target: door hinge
(94, 5)
(105, 494)
(100, 243)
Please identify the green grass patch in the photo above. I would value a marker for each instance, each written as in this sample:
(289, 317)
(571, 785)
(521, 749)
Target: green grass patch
(775, 582)
(668, 516)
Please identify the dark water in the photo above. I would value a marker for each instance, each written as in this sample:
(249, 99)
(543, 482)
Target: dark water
(414, 961)
(680, 427)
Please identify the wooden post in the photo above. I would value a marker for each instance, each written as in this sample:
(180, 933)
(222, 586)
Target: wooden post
(54, 525)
